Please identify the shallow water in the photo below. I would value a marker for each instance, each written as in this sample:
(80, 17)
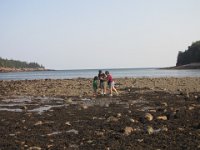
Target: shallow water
(90, 73)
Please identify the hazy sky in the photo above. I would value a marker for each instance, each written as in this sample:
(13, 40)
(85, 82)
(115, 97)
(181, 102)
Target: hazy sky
(80, 34)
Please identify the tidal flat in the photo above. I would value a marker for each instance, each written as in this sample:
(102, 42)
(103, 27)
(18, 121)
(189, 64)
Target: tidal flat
(148, 113)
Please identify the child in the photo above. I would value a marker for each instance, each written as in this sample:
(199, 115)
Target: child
(111, 83)
(95, 85)
(103, 82)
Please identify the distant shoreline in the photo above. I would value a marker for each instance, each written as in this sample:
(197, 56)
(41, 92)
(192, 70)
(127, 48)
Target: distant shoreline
(188, 66)
(6, 70)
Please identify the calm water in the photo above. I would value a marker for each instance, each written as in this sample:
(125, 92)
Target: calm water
(69, 74)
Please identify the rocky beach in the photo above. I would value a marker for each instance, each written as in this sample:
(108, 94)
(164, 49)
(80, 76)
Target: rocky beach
(149, 113)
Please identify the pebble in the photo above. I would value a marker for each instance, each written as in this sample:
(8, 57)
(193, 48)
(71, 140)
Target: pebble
(164, 104)
(119, 115)
(148, 116)
(162, 117)
(38, 123)
(128, 130)
(112, 119)
(68, 123)
(150, 130)
(34, 148)
(191, 108)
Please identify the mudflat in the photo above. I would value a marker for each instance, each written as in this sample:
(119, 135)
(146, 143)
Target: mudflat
(148, 113)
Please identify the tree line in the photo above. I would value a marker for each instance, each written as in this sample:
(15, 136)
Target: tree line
(18, 64)
(191, 55)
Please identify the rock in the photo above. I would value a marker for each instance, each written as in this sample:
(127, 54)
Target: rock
(150, 130)
(34, 148)
(119, 115)
(38, 123)
(132, 120)
(164, 129)
(68, 123)
(84, 106)
(68, 101)
(148, 116)
(191, 108)
(128, 130)
(99, 133)
(162, 117)
(164, 104)
(112, 119)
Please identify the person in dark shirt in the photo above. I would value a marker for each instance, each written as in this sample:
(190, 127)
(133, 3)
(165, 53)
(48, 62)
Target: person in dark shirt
(103, 79)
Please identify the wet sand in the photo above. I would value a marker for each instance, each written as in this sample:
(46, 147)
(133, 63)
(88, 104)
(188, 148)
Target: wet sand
(149, 113)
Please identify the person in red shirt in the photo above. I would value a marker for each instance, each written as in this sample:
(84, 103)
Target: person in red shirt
(111, 84)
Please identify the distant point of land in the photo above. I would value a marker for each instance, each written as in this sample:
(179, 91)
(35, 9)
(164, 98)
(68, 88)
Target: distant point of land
(189, 59)
(9, 65)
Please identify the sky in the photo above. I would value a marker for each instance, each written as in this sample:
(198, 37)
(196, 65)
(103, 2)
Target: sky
(93, 34)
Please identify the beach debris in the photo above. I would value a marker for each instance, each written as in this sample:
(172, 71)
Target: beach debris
(128, 130)
(148, 116)
(38, 123)
(112, 119)
(68, 123)
(196, 97)
(162, 117)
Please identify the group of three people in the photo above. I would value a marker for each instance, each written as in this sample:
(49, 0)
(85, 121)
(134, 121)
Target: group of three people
(104, 79)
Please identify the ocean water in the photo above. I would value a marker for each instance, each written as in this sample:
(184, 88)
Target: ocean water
(90, 73)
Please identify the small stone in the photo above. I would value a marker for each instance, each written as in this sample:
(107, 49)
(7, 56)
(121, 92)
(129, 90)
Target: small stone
(181, 129)
(191, 108)
(150, 130)
(38, 123)
(34, 148)
(196, 97)
(132, 120)
(68, 123)
(112, 119)
(148, 116)
(128, 130)
(84, 106)
(162, 117)
(119, 115)
(12, 134)
(164, 129)
(140, 140)
(164, 104)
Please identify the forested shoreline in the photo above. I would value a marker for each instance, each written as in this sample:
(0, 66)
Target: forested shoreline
(10, 65)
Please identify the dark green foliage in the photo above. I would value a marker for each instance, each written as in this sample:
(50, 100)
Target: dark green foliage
(18, 64)
(191, 55)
